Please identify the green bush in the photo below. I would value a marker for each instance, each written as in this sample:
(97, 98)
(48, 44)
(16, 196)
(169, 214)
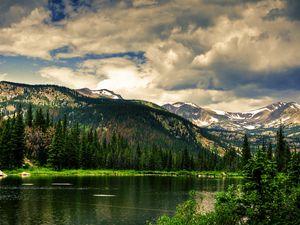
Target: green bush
(266, 198)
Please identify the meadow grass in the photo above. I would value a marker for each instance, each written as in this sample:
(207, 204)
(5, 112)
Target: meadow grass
(43, 171)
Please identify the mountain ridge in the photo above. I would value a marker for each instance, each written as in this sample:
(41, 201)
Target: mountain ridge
(132, 118)
(265, 117)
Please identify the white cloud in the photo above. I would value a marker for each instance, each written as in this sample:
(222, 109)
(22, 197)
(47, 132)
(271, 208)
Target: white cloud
(68, 77)
(3, 75)
(191, 48)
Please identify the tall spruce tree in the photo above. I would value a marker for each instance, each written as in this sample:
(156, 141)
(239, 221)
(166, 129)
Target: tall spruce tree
(281, 152)
(246, 151)
(56, 150)
(39, 120)
(29, 116)
(185, 160)
(84, 152)
(19, 136)
(6, 157)
(270, 151)
(47, 120)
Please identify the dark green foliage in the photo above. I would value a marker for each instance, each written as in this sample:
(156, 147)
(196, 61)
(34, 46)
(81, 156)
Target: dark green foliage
(185, 160)
(72, 145)
(56, 155)
(12, 146)
(29, 116)
(282, 153)
(294, 169)
(266, 197)
(246, 151)
(185, 214)
(231, 160)
(18, 139)
(270, 151)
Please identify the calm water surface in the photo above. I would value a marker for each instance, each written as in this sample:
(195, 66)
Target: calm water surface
(96, 200)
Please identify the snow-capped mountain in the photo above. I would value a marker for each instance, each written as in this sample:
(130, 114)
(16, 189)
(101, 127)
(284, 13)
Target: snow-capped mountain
(272, 115)
(102, 93)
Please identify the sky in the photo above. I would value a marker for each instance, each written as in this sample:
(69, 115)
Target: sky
(232, 55)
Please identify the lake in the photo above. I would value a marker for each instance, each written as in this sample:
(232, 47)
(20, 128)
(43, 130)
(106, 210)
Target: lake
(97, 200)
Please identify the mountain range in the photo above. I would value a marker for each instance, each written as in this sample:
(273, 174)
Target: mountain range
(270, 116)
(229, 127)
(136, 120)
(176, 126)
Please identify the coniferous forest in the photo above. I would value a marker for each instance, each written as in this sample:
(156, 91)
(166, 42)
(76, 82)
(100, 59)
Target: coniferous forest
(37, 136)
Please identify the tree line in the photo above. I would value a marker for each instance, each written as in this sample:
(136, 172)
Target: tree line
(62, 145)
(281, 155)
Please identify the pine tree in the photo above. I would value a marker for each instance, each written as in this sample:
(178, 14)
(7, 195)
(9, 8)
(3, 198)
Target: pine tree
(246, 152)
(169, 161)
(263, 146)
(138, 155)
(185, 159)
(47, 120)
(84, 153)
(39, 120)
(56, 150)
(280, 153)
(6, 157)
(19, 136)
(270, 151)
(29, 116)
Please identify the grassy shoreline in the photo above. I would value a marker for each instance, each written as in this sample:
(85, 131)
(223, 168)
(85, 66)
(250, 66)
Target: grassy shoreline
(103, 172)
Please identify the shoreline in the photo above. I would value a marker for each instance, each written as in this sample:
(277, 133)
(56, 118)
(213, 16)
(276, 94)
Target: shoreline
(103, 172)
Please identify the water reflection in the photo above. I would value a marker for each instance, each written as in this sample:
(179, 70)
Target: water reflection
(96, 200)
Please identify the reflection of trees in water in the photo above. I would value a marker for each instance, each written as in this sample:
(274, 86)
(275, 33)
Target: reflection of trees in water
(137, 198)
(10, 201)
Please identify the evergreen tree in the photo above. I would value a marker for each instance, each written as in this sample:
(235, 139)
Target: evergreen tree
(169, 161)
(231, 160)
(246, 152)
(56, 150)
(270, 151)
(39, 120)
(263, 146)
(294, 169)
(19, 136)
(72, 148)
(29, 116)
(47, 120)
(84, 152)
(185, 159)
(282, 153)
(138, 155)
(6, 157)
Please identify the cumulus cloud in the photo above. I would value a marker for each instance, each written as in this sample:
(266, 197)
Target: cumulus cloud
(68, 77)
(208, 52)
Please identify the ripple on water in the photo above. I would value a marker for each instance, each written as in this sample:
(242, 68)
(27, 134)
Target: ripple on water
(103, 195)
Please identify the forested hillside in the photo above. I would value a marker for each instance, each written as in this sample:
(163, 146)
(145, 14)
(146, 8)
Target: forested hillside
(106, 133)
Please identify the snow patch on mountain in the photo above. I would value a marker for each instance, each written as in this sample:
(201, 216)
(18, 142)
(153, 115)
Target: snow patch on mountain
(250, 127)
(219, 112)
(102, 93)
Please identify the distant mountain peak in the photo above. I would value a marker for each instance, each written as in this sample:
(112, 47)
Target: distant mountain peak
(101, 93)
(179, 104)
